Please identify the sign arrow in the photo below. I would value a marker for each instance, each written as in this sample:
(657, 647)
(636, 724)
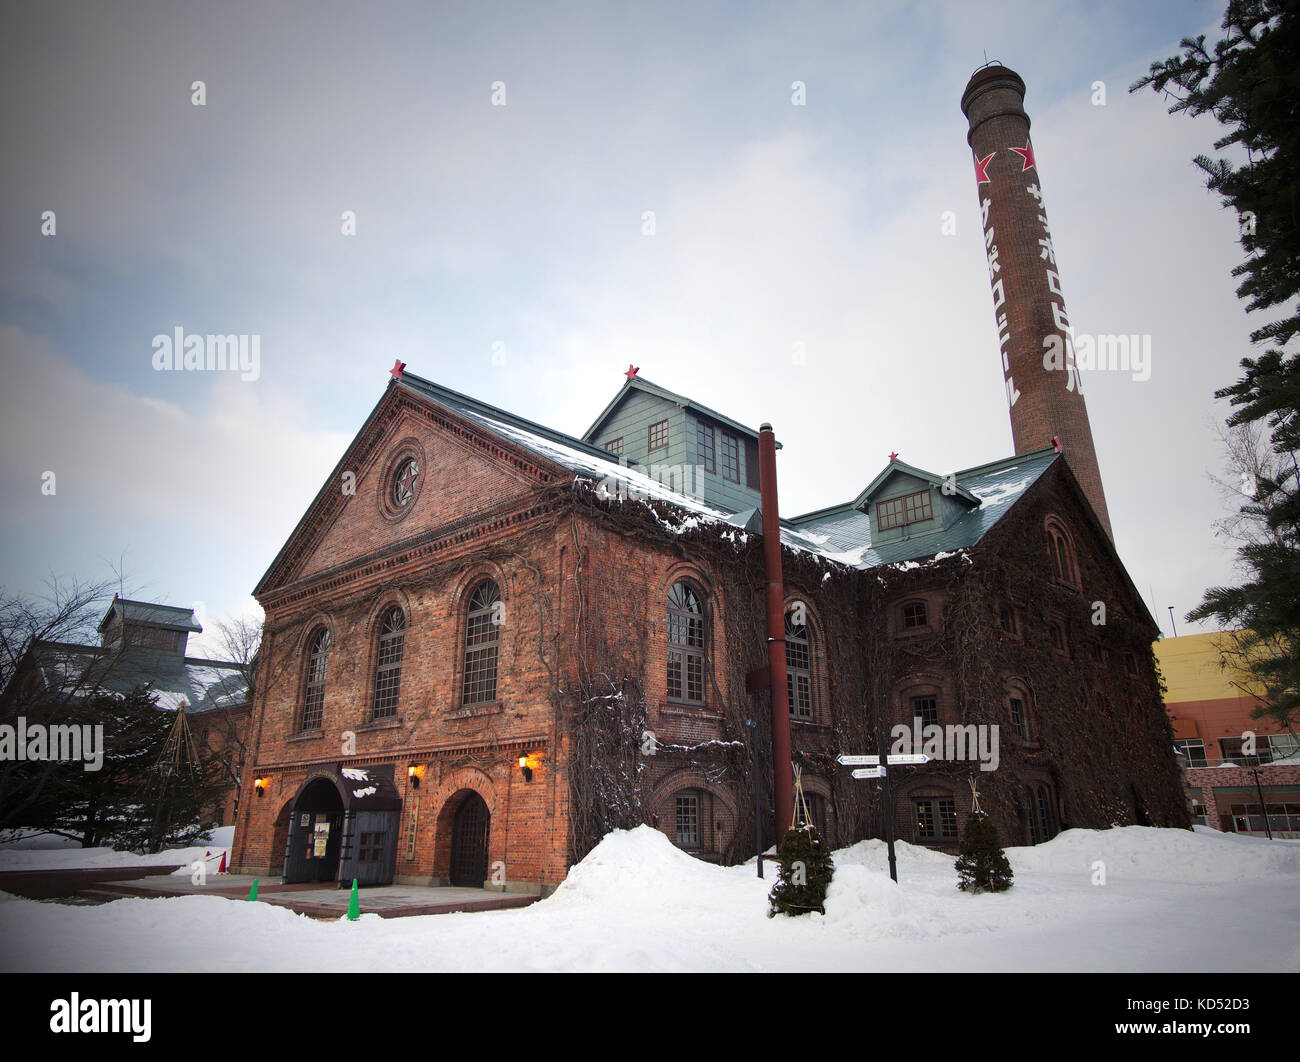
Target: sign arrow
(869, 772)
(910, 759)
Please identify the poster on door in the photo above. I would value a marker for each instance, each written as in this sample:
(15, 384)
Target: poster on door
(321, 835)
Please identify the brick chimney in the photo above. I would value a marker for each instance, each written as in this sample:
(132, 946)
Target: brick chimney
(1044, 388)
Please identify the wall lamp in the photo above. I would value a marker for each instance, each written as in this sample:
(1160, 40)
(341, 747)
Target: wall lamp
(260, 786)
(415, 772)
(525, 768)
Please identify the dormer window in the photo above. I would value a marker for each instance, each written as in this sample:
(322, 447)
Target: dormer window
(898, 512)
(657, 435)
(705, 453)
(730, 458)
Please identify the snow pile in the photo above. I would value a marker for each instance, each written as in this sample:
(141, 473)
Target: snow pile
(1172, 900)
(1159, 855)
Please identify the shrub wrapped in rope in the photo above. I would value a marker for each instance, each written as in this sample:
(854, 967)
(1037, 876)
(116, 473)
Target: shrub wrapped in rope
(982, 866)
(805, 875)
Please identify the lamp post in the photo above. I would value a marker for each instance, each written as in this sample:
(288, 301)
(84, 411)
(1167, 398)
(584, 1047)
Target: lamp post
(1262, 806)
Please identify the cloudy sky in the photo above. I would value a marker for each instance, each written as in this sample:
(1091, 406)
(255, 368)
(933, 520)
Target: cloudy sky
(519, 229)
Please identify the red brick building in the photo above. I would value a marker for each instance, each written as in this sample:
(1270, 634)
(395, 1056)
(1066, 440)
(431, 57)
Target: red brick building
(488, 643)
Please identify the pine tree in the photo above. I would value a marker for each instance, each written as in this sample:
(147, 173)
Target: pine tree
(1251, 84)
(805, 874)
(982, 866)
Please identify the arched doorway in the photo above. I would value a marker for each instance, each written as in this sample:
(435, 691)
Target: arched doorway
(315, 833)
(469, 842)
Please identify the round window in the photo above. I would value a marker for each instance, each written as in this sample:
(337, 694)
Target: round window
(404, 482)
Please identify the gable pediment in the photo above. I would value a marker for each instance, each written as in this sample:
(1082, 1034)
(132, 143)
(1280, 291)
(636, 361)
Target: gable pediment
(461, 468)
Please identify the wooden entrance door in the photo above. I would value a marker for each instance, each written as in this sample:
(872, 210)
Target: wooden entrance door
(469, 842)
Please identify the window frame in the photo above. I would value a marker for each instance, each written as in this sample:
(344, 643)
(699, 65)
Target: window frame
(313, 695)
(799, 670)
(729, 449)
(906, 513)
(706, 447)
(480, 610)
(907, 625)
(659, 429)
(384, 668)
(680, 619)
(940, 819)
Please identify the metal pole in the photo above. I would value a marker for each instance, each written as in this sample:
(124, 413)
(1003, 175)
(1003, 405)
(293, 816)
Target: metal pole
(1262, 806)
(758, 817)
(889, 806)
(1171, 621)
(782, 771)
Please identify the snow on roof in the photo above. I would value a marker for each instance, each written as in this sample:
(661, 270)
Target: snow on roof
(840, 536)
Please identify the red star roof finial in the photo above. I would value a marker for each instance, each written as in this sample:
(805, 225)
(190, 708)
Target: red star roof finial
(893, 456)
(1026, 153)
(1056, 444)
(632, 370)
(396, 371)
(981, 169)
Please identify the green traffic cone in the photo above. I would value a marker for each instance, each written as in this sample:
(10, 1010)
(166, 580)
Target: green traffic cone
(354, 903)
(252, 893)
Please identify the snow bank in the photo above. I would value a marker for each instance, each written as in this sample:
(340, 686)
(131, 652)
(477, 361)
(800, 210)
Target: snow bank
(1153, 854)
(1173, 900)
(70, 858)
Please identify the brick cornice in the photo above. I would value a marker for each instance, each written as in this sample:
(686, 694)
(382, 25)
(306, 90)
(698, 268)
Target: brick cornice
(412, 754)
(441, 540)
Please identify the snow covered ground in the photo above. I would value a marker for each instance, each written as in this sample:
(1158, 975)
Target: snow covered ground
(49, 852)
(1172, 901)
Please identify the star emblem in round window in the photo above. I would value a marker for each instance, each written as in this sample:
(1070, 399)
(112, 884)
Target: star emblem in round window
(404, 482)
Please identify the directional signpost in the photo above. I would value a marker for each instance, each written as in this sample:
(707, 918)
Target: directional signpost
(878, 767)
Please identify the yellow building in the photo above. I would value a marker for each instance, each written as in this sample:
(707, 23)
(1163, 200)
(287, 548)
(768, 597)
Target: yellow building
(1233, 761)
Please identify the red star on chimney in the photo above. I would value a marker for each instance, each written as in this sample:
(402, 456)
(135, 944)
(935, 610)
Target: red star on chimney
(396, 371)
(1026, 153)
(981, 169)
(893, 456)
(632, 370)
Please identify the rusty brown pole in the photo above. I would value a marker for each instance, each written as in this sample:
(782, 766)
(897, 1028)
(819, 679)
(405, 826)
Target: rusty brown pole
(782, 773)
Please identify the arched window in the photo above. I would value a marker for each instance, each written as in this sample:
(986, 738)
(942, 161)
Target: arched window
(688, 818)
(1018, 710)
(482, 631)
(1043, 808)
(798, 664)
(686, 645)
(1061, 551)
(388, 672)
(313, 702)
(1039, 815)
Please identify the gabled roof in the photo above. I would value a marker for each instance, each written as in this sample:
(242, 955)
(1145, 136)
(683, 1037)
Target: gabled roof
(149, 614)
(639, 384)
(485, 413)
(897, 467)
(844, 531)
(199, 685)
